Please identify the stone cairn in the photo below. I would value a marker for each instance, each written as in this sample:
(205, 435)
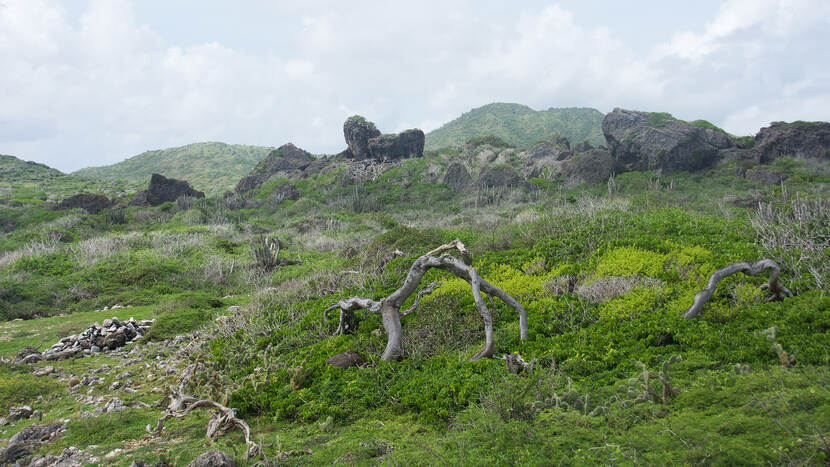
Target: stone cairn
(110, 335)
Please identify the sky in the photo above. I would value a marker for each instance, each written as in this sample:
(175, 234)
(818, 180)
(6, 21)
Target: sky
(93, 82)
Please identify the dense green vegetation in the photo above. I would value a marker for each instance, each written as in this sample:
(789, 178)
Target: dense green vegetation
(520, 126)
(604, 272)
(209, 167)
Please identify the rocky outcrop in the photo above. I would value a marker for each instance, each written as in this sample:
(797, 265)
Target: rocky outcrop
(287, 161)
(499, 176)
(803, 140)
(163, 190)
(547, 151)
(358, 131)
(582, 147)
(590, 167)
(97, 338)
(27, 441)
(458, 178)
(656, 141)
(404, 145)
(213, 458)
(365, 141)
(91, 202)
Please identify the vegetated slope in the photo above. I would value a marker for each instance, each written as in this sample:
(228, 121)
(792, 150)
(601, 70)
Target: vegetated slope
(211, 167)
(520, 125)
(31, 183)
(13, 169)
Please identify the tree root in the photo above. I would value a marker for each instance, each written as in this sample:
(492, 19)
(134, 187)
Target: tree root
(221, 421)
(779, 292)
(390, 307)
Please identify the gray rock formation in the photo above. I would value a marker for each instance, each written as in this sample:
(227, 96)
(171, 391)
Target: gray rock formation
(499, 176)
(547, 151)
(803, 140)
(590, 167)
(287, 161)
(27, 440)
(358, 131)
(213, 458)
(91, 202)
(458, 178)
(163, 190)
(654, 141)
(404, 145)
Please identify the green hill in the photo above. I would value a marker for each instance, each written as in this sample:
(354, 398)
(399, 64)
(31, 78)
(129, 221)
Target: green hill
(13, 169)
(210, 167)
(520, 125)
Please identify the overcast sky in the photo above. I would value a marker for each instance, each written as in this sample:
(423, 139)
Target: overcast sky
(87, 83)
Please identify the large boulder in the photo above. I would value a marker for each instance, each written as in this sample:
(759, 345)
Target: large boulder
(803, 140)
(458, 178)
(547, 151)
(358, 131)
(287, 161)
(658, 141)
(499, 176)
(163, 190)
(589, 167)
(91, 202)
(404, 145)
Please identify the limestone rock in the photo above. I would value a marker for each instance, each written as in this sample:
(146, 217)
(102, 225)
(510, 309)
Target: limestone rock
(803, 140)
(650, 141)
(591, 167)
(458, 178)
(287, 161)
(499, 176)
(358, 131)
(404, 145)
(213, 458)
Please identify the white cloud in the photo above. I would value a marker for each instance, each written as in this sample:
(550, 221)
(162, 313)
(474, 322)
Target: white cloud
(102, 86)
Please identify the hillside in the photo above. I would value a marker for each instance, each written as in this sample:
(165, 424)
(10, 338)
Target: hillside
(598, 364)
(520, 126)
(210, 167)
(32, 183)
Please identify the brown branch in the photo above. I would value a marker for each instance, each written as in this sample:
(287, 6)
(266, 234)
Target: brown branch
(221, 421)
(779, 292)
(456, 244)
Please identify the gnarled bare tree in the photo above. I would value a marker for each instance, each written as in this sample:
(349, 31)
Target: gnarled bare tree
(390, 307)
(779, 292)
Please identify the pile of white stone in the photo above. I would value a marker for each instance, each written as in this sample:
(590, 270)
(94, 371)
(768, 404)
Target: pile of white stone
(109, 335)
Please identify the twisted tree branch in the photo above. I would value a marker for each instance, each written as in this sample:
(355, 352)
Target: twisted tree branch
(390, 307)
(779, 292)
(221, 421)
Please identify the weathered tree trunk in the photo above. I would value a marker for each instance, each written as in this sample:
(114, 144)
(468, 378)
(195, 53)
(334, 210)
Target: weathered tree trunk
(390, 307)
(779, 292)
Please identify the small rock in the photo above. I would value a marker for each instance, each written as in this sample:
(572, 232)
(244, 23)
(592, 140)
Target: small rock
(115, 385)
(16, 413)
(213, 458)
(234, 309)
(114, 405)
(114, 453)
(43, 371)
